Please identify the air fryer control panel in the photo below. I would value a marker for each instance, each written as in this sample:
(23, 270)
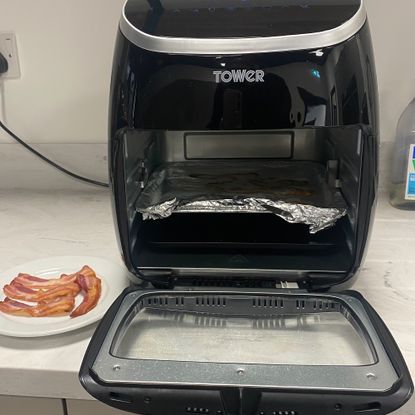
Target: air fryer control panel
(238, 18)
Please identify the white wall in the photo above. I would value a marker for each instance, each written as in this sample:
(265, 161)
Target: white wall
(393, 29)
(66, 51)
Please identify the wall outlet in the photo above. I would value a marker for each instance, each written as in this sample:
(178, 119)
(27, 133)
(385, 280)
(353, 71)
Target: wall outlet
(8, 48)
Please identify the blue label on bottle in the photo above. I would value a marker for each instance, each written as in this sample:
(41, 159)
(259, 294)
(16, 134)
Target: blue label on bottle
(411, 185)
(410, 178)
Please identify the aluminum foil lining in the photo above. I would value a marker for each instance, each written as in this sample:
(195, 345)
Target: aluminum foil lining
(295, 191)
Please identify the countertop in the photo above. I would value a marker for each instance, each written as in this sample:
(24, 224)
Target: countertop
(41, 223)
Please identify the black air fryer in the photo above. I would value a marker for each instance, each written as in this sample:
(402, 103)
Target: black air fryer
(243, 163)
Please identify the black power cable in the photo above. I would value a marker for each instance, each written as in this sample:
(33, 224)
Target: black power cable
(3, 69)
(4, 65)
(50, 162)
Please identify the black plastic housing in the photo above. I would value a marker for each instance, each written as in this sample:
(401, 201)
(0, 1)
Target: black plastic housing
(229, 18)
(326, 100)
(247, 401)
(305, 92)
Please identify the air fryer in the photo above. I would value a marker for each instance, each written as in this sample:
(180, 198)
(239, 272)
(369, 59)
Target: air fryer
(243, 159)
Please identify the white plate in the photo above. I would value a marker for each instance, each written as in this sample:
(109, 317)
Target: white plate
(114, 279)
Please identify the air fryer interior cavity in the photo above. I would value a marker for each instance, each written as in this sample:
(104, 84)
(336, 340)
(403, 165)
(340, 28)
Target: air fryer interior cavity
(224, 240)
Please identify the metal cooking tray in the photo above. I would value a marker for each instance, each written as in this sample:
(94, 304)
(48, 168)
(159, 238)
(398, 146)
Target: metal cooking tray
(295, 191)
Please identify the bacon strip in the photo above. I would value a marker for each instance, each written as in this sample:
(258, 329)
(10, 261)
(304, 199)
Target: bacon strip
(30, 281)
(67, 290)
(91, 288)
(55, 297)
(18, 291)
(57, 307)
(15, 308)
(87, 272)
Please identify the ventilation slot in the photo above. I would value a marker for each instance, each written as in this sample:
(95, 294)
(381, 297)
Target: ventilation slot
(157, 301)
(324, 305)
(179, 301)
(118, 397)
(300, 304)
(211, 301)
(218, 282)
(268, 302)
(370, 408)
(193, 410)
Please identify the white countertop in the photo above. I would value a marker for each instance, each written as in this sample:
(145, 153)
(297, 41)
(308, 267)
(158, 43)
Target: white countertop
(36, 224)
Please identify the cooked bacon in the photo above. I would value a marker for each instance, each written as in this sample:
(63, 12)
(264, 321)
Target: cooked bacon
(57, 307)
(88, 272)
(91, 289)
(18, 291)
(30, 281)
(54, 297)
(15, 308)
(68, 290)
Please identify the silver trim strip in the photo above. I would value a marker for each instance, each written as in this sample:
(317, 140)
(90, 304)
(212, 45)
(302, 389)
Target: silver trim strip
(236, 46)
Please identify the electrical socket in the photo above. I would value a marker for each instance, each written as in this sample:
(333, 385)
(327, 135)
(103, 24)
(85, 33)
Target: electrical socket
(8, 48)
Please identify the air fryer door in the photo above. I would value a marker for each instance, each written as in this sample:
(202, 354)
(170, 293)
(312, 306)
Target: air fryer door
(240, 352)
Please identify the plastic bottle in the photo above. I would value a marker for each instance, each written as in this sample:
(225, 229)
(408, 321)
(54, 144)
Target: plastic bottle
(402, 194)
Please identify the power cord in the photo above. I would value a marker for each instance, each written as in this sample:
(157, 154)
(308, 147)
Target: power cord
(50, 162)
(4, 68)
(4, 64)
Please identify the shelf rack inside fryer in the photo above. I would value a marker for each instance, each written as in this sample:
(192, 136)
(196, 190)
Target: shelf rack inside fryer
(298, 192)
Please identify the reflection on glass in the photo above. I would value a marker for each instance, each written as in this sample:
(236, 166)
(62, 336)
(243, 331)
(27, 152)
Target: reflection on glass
(325, 338)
